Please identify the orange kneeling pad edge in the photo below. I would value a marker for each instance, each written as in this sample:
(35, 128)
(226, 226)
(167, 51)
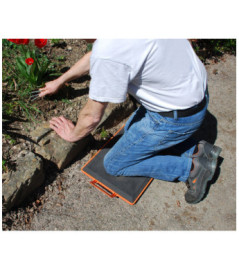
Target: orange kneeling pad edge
(127, 188)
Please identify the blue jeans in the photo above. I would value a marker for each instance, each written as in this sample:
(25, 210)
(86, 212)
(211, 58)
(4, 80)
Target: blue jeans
(141, 149)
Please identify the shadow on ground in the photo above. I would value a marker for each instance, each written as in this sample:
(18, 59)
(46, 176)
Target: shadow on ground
(208, 130)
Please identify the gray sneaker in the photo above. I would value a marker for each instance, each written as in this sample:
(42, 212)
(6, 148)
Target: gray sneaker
(201, 174)
(207, 150)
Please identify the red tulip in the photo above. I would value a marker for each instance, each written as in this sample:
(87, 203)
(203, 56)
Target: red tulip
(40, 43)
(29, 61)
(25, 41)
(20, 41)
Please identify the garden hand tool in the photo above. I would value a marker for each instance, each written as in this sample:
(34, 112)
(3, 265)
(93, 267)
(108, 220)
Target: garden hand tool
(36, 95)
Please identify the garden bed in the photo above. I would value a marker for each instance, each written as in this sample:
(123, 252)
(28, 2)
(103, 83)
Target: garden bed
(17, 124)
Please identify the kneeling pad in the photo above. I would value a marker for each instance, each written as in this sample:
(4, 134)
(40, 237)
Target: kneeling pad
(127, 188)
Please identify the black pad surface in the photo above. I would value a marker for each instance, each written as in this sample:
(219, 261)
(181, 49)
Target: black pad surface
(127, 187)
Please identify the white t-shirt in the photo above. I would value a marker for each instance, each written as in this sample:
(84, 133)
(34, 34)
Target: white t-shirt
(162, 74)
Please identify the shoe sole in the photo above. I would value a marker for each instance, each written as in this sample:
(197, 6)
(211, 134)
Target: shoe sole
(212, 168)
(215, 152)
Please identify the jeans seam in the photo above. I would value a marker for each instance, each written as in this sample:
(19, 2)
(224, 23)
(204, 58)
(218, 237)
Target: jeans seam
(185, 178)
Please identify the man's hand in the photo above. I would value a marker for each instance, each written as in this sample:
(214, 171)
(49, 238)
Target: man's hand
(64, 128)
(88, 120)
(50, 88)
(80, 68)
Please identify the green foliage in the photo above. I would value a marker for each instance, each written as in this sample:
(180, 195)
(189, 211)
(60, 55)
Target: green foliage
(20, 79)
(4, 167)
(34, 73)
(28, 109)
(12, 108)
(61, 58)
(8, 108)
(208, 48)
(52, 72)
(89, 47)
(65, 100)
(55, 41)
(9, 53)
(10, 139)
(9, 49)
(104, 134)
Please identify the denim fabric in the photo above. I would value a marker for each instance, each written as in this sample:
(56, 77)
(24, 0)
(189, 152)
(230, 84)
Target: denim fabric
(141, 151)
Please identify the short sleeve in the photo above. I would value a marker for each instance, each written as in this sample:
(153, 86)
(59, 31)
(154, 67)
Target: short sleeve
(109, 80)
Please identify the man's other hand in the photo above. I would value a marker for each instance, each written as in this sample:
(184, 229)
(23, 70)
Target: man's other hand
(64, 128)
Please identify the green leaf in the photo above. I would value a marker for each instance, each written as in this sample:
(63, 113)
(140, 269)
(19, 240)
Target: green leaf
(28, 70)
(28, 55)
(21, 60)
(22, 69)
(33, 54)
(34, 72)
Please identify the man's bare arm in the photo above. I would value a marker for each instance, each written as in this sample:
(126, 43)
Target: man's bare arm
(88, 120)
(80, 68)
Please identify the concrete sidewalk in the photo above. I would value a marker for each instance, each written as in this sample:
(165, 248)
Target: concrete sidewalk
(162, 206)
